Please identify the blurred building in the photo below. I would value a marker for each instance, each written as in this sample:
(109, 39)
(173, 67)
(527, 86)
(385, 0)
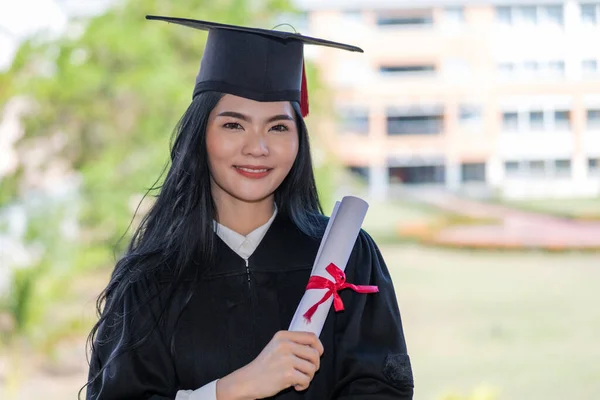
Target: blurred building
(481, 96)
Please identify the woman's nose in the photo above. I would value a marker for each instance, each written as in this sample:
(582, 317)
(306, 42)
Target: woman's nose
(256, 145)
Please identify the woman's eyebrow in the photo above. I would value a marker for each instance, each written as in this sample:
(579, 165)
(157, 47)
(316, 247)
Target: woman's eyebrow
(234, 114)
(280, 117)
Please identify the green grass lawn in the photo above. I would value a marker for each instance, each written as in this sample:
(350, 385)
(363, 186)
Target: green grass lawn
(383, 219)
(525, 324)
(563, 207)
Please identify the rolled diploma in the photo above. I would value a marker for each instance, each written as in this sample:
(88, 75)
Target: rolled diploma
(325, 234)
(336, 246)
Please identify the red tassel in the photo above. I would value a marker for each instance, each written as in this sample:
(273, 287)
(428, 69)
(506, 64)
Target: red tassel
(304, 93)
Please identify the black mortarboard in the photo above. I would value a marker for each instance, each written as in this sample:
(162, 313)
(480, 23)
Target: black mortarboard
(258, 64)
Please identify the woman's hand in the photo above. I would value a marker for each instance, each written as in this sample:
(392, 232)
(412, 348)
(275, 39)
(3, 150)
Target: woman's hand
(289, 359)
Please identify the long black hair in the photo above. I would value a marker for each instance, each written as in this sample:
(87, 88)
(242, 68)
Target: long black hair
(177, 233)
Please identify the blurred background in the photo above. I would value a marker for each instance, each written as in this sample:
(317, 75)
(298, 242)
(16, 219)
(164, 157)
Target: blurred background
(471, 127)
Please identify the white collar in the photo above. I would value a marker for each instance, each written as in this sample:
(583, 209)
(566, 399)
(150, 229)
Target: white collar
(244, 246)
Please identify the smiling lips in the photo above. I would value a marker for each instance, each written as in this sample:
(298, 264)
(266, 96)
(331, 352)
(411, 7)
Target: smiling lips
(253, 171)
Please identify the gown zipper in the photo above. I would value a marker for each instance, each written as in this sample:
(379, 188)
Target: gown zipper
(252, 304)
(248, 272)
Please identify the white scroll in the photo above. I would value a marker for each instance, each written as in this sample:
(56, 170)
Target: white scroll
(336, 246)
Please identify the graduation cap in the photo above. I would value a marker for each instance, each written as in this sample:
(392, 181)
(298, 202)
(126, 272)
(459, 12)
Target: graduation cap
(258, 64)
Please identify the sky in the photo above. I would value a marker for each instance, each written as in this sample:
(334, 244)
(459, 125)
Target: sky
(22, 18)
(19, 19)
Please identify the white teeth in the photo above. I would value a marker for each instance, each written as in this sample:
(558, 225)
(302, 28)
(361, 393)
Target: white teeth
(252, 170)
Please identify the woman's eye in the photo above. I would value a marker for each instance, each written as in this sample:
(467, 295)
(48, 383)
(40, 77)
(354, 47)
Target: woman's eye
(232, 125)
(279, 128)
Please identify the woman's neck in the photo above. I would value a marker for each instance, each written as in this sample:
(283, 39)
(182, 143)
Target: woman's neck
(243, 217)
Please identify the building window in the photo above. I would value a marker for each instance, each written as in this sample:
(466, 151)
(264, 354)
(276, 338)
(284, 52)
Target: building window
(395, 19)
(589, 14)
(469, 115)
(593, 119)
(510, 121)
(411, 70)
(415, 124)
(504, 15)
(415, 175)
(530, 15)
(473, 172)
(562, 168)
(556, 68)
(562, 120)
(589, 68)
(594, 167)
(512, 169)
(526, 15)
(354, 120)
(552, 15)
(536, 168)
(530, 67)
(536, 120)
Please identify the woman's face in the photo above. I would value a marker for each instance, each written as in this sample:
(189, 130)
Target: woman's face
(251, 147)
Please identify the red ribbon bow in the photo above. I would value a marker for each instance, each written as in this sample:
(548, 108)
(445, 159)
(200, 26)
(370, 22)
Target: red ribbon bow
(318, 282)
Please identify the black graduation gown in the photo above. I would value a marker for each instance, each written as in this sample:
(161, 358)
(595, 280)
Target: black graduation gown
(236, 310)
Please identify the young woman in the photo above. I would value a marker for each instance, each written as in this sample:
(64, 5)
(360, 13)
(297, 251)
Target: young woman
(199, 305)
